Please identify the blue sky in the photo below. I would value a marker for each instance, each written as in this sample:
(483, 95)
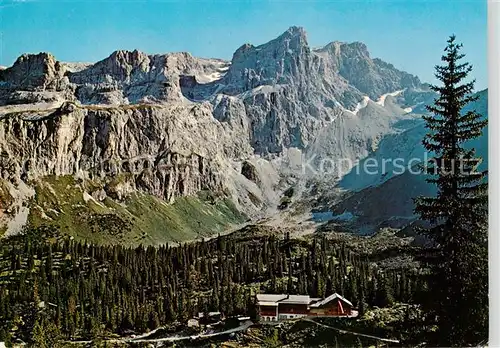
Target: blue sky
(410, 34)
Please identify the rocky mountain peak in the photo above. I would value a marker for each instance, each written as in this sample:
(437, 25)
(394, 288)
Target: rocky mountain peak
(352, 49)
(42, 58)
(295, 31)
(283, 60)
(122, 59)
(340, 72)
(240, 52)
(295, 34)
(293, 41)
(372, 77)
(33, 72)
(355, 49)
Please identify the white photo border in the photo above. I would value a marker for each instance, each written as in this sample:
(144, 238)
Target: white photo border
(493, 169)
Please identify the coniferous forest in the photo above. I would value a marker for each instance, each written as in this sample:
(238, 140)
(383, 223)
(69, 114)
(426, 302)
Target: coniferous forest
(76, 290)
(55, 289)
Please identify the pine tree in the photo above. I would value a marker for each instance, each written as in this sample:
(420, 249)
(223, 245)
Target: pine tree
(38, 337)
(361, 299)
(383, 295)
(458, 295)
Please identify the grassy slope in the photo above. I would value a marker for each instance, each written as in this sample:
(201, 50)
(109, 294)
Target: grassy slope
(141, 218)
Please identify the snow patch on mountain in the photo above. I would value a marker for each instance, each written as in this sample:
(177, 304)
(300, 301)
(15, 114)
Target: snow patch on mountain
(361, 105)
(76, 66)
(213, 76)
(381, 100)
(265, 89)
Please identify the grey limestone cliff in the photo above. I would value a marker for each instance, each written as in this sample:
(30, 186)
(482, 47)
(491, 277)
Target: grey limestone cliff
(172, 124)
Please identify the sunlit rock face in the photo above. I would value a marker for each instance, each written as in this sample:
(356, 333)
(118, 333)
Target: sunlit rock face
(173, 124)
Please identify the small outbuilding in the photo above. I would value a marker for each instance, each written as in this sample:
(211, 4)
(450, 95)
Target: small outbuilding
(193, 323)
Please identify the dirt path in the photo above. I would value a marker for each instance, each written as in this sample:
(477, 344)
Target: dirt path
(143, 338)
(353, 333)
(242, 327)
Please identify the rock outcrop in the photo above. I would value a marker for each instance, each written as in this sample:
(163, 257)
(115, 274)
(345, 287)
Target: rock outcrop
(167, 150)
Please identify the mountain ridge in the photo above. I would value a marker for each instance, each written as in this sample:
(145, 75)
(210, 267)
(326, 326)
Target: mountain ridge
(235, 129)
(136, 65)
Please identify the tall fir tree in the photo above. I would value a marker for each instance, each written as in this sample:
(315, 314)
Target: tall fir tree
(458, 282)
